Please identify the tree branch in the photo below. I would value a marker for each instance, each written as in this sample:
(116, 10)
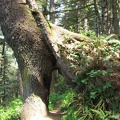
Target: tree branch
(63, 11)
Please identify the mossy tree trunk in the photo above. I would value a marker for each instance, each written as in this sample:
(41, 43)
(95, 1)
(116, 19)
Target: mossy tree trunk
(38, 49)
(34, 58)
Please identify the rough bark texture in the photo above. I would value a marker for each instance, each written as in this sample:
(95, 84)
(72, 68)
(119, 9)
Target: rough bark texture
(36, 47)
(20, 84)
(52, 9)
(104, 17)
(115, 6)
(34, 58)
(97, 19)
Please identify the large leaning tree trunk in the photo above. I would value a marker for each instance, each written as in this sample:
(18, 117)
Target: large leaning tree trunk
(37, 48)
(34, 58)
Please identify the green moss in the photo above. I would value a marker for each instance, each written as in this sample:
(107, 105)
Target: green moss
(28, 16)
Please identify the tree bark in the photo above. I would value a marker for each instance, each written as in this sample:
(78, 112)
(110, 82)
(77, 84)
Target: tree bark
(2, 69)
(110, 18)
(104, 17)
(20, 83)
(115, 17)
(52, 9)
(34, 58)
(36, 46)
(97, 19)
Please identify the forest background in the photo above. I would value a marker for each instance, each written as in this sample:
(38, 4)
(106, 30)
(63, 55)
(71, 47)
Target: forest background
(97, 19)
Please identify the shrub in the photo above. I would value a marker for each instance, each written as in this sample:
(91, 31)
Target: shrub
(12, 110)
(97, 76)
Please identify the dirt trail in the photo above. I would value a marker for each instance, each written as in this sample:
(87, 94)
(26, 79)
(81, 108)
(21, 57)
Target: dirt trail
(56, 114)
(53, 115)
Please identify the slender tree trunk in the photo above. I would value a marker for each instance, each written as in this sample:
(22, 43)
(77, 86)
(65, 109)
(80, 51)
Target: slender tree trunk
(86, 27)
(110, 18)
(52, 8)
(44, 7)
(104, 17)
(115, 16)
(97, 19)
(54, 79)
(52, 19)
(20, 84)
(3, 70)
(119, 20)
(34, 58)
(78, 18)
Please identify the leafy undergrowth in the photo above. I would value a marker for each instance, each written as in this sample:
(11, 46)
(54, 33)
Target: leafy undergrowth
(97, 94)
(92, 103)
(12, 110)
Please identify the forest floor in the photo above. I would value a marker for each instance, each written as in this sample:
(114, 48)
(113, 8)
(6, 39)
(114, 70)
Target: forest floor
(56, 114)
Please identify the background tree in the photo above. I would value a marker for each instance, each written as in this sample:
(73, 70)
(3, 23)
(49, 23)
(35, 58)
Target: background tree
(8, 72)
(104, 25)
(71, 15)
(115, 20)
(52, 8)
